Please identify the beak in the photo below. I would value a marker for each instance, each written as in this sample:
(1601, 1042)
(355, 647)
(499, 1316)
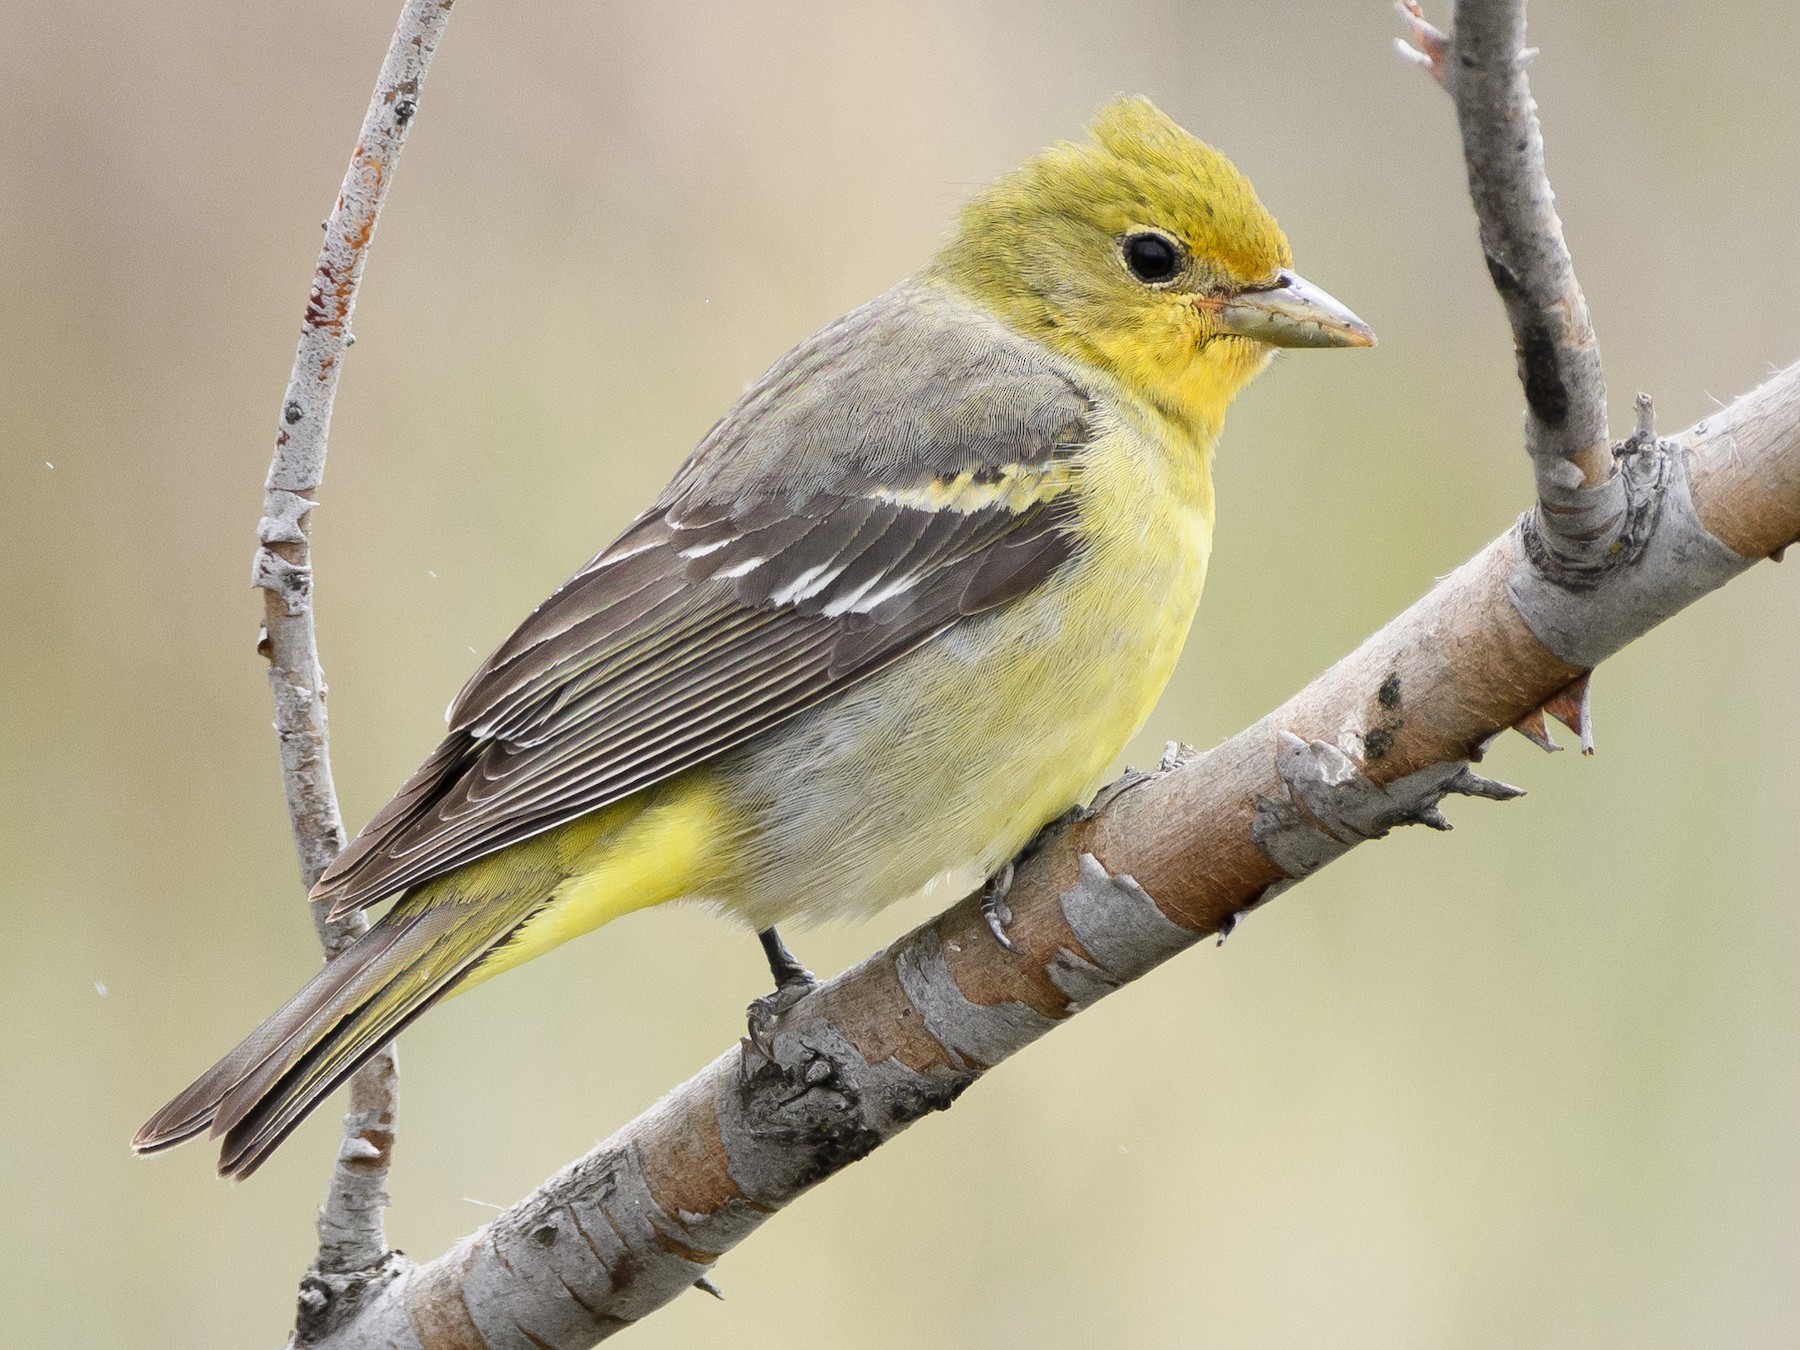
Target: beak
(1291, 313)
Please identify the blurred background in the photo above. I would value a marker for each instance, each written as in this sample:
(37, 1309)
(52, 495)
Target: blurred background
(1530, 1084)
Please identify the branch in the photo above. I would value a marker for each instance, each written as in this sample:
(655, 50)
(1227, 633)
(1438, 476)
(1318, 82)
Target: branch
(1160, 862)
(352, 1245)
(1623, 538)
(1581, 503)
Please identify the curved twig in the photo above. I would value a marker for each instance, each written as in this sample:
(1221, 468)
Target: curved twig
(352, 1245)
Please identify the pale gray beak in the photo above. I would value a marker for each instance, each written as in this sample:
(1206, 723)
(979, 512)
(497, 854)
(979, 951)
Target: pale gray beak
(1291, 313)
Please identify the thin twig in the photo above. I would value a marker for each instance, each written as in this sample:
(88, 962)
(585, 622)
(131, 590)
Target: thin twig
(351, 1241)
(1483, 64)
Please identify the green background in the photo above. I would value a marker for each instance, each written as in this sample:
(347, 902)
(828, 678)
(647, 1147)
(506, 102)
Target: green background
(1529, 1084)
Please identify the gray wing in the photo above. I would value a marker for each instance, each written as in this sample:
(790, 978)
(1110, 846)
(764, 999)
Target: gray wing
(908, 466)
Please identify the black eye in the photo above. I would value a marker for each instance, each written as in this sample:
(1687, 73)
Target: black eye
(1151, 257)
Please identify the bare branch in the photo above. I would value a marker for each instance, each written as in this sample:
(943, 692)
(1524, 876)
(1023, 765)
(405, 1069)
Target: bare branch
(1483, 63)
(1522, 238)
(352, 1246)
(1426, 46)
(1163, 860)
(1599, 505)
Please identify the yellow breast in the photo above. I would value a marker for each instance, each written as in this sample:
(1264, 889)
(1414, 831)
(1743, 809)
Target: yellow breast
(1146, 521)
(940, 768)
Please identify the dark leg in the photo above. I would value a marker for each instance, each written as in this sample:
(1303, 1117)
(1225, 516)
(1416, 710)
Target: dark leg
(793, 982)
(783, 964)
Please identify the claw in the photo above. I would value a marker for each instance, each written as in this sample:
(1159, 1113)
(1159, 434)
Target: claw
(1107, 795)
(1175, 754)
(793, 982)
(993, 906)
(764, 1014)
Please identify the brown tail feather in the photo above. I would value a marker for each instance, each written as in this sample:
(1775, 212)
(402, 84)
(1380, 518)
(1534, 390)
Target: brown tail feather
(263, 1110)
(256, 1095)
(193, 1110)
(328, 1011)
(262, 1130)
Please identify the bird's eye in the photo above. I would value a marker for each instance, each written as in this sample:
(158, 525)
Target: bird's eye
(1151, 257)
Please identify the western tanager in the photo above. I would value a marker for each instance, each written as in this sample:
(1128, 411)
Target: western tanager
(903, 606)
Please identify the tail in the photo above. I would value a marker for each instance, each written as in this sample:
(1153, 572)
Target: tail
(356, 1004)
(449, 933)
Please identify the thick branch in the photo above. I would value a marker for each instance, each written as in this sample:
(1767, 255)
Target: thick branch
(1162, 861)
(351, 1241)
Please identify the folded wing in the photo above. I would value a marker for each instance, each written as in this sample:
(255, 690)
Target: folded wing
(744, 598)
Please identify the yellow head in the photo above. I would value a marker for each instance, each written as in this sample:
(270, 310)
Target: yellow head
(1145, 252)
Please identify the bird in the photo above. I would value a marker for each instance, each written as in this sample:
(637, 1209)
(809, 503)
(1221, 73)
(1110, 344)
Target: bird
(902, 607)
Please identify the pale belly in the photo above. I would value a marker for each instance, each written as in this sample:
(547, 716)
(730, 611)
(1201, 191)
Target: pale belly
(938, 770)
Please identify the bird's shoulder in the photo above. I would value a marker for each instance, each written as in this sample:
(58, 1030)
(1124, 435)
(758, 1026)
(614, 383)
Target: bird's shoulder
(919, 384)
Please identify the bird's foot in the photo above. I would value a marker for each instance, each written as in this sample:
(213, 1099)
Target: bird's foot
(994, 908)
(993, 894)
(764, 1014)
(793, 982)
